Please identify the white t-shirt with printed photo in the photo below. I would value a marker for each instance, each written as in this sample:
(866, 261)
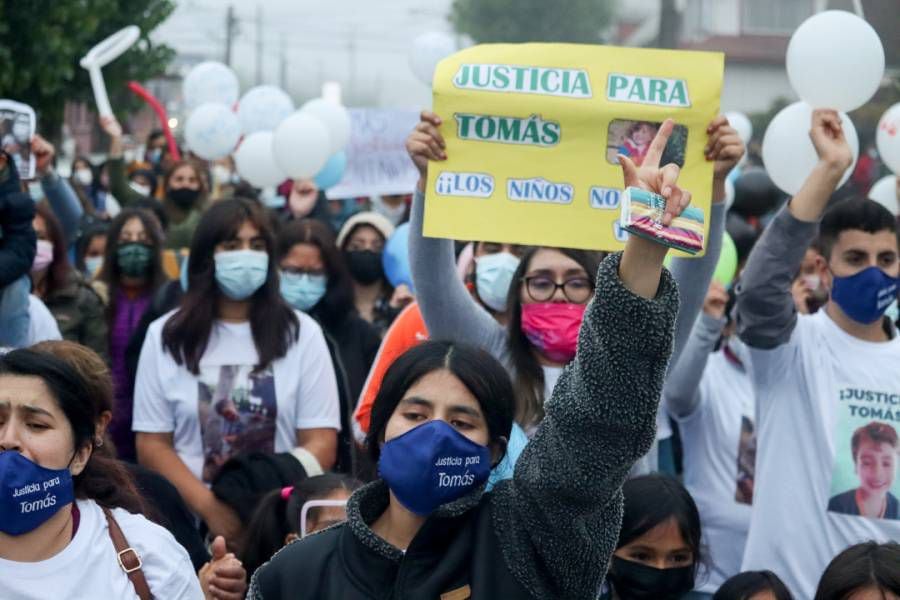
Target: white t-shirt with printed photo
(718, 438)
(88, 569)
(813, 394)
(229, 408)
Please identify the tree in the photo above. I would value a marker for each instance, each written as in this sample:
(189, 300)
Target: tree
(577, 21)
(41, 42)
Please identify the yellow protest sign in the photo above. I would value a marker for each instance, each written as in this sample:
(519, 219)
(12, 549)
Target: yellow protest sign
(533, 132)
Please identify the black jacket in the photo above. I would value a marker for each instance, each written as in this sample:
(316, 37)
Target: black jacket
(18, 242)
(547, 533)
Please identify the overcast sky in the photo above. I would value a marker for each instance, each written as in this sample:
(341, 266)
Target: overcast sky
(363, 44)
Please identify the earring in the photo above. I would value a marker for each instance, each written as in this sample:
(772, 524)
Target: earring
(98, 442)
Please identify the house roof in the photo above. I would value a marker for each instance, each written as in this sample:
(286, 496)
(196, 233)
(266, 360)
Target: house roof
(747, 48)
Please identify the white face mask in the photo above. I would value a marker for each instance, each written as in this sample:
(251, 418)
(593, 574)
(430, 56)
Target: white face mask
(813, 282)
(143, 190)
(493, 276)
(394, 214)
(84, 176)
(222, 174)
(35, 191)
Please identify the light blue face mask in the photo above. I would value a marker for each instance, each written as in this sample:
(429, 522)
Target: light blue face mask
(240, 273)
(302, 290)
(92, 265)
(493, 276)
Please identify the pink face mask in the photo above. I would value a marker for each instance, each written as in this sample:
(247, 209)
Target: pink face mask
(43, 257)
(552, 327)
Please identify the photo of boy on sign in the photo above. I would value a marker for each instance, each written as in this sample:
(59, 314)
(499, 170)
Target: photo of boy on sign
(632, 139)
(874, 448)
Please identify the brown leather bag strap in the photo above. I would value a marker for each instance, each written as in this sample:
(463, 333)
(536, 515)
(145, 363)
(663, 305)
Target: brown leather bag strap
(129, 559)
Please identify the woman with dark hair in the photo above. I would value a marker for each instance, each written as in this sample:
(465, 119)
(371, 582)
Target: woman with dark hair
(753, 585)
(549, 290)
(86, 184)
(162, 503)
(70, 515)
(314, 280)
(90, 250)
(276, 521)
(361, 241)
(867, 570)
(233, 370)
(76, 307)
(658, 553)
(442, 419)
(132, 272)
(184, 189)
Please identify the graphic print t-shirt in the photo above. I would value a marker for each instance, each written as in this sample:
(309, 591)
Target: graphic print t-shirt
(231, 408)
(719, 453)
(813, 394)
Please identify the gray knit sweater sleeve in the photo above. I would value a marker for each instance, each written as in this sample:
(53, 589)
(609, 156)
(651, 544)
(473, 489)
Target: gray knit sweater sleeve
(766, 314)
(559, 517)
(449, 311)
(681, 392)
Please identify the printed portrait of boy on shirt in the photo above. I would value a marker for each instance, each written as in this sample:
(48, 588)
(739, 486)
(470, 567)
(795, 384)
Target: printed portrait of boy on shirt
(875, 449)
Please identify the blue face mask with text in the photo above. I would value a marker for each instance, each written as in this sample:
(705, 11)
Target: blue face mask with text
(865, 297)
(432, 465)
(302, 290)
(29, 493)
(240, 273)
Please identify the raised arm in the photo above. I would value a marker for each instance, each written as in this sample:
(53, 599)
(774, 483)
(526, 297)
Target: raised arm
(681, 392)
(449, 311)
(60, 195)
(18, 242)
(118, 183)
(560, 515)
(766, 312)
(725, 148)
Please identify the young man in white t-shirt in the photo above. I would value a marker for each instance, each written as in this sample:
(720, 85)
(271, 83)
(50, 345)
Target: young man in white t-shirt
(819, 378)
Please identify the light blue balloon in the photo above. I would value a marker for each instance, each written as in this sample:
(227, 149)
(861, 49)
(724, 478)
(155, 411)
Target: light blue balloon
(333, 171)
(734, 173)
(395, 258)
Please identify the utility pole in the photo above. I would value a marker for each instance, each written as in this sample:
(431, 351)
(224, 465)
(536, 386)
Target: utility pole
(230, 27)
(282, 64)
(259, 44)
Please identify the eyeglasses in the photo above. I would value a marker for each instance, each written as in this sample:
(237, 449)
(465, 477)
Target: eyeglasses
(541, 288)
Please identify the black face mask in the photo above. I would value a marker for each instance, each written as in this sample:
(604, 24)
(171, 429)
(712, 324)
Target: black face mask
(184, 198)
(634, 581)
(365, 266)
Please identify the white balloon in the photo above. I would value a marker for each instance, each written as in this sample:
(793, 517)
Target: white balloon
(262, 108)
(742, 124)
(301, 145)
(256, 163)
(887, 138)
(835, 60)
(210, 82)
(789, 154)
(427, 51)
(884, 192)
(335, 117)
(212, 131)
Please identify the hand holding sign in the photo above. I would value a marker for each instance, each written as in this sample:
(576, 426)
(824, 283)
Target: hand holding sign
(649, 176)
(426, 143)
(725, 147)
(642, 260)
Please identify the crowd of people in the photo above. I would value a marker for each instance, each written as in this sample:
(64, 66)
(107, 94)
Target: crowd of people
(203, 396)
